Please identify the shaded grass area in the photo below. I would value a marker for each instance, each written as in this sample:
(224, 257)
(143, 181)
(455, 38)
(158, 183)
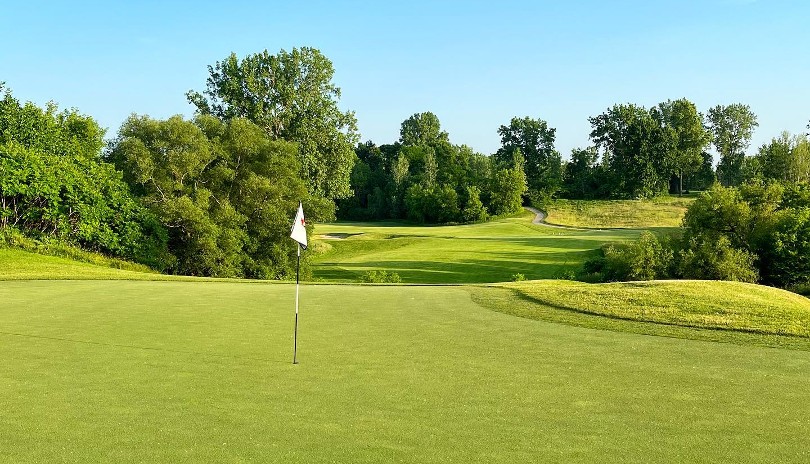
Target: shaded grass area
(634, 214)
(124, 371)
(476, 253)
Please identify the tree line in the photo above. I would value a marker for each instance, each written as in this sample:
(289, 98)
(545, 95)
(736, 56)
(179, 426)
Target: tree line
(636, 152)
(214, 194)
(425, 178)
(208, 196)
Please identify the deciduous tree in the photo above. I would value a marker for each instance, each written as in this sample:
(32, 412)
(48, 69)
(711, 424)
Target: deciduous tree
(535, 140)
(732, 127)
(291, 96)
(682, 122)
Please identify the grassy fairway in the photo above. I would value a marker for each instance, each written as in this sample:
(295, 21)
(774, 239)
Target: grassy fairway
(123, 371)
(490, 252)
(658, 212)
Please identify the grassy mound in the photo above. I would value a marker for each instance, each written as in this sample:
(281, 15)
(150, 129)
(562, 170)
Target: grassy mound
(636, 214)
(701, 304)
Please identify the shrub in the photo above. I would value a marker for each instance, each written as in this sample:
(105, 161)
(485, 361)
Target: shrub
(715, 259)
(381, 277)
(785, 251)
(518, 277)
(645, 259)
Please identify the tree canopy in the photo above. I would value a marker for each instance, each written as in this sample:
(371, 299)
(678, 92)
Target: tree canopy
(535, 140)
(427, 179)
(732, 127)
(290, 95)
(223, 190)
(54, 185)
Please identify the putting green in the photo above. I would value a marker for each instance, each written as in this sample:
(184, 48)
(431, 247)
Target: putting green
(125, 371)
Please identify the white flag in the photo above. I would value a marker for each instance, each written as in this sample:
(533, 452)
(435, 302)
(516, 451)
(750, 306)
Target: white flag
(299, 232)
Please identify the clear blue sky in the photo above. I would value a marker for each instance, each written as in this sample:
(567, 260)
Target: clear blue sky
(475, 64)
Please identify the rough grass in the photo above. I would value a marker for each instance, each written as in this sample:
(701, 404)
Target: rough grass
(729, 306)
(125, 371)
(16, 264)
(631, 214)
(476, 253)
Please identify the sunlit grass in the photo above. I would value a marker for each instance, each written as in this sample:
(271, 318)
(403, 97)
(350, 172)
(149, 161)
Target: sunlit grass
(731, 306)
(658, 212)
(125, 371)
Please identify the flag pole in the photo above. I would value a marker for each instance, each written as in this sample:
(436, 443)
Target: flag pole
(295, 337)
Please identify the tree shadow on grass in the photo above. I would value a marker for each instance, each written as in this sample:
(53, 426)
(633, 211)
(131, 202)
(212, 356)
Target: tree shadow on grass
(549, 266)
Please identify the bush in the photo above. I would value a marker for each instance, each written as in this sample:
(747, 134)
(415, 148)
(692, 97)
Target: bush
(518, 277)
(785, 251)
(645, 259)
(381, 277)
(474, 210)
(715, 259)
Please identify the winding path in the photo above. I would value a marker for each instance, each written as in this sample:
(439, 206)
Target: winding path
(540, 220)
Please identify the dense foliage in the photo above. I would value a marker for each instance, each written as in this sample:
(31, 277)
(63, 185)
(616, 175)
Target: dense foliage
(54, 185)
(223, 190)
(759, 232)
(542, 162)
(426, 179)
(213, 195)
(290, 96)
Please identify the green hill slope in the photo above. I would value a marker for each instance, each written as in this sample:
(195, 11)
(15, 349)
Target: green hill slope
(18, 264)
(704, 304)
(665, 211)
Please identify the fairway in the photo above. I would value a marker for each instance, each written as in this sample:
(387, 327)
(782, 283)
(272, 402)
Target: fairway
(476, 253)
(128, 371)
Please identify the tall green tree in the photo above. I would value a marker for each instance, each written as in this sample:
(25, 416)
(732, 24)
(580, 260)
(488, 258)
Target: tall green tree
(732, 127)
(535, 140)
(421, 129)
(224, 190)
(508, 186)
(785, 158)
(580, 179)
(636, 150)
(291, 96)
(682, 122)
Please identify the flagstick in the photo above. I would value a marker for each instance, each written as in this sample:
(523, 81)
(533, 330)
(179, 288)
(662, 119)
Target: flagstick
(295, 339)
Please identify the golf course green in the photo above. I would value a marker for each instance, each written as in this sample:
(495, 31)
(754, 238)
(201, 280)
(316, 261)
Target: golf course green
(110, 365)
(142, 371)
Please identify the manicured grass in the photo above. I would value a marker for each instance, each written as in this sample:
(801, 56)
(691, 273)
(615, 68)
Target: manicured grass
(126, 371)
(635, 214)
(476, 253)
